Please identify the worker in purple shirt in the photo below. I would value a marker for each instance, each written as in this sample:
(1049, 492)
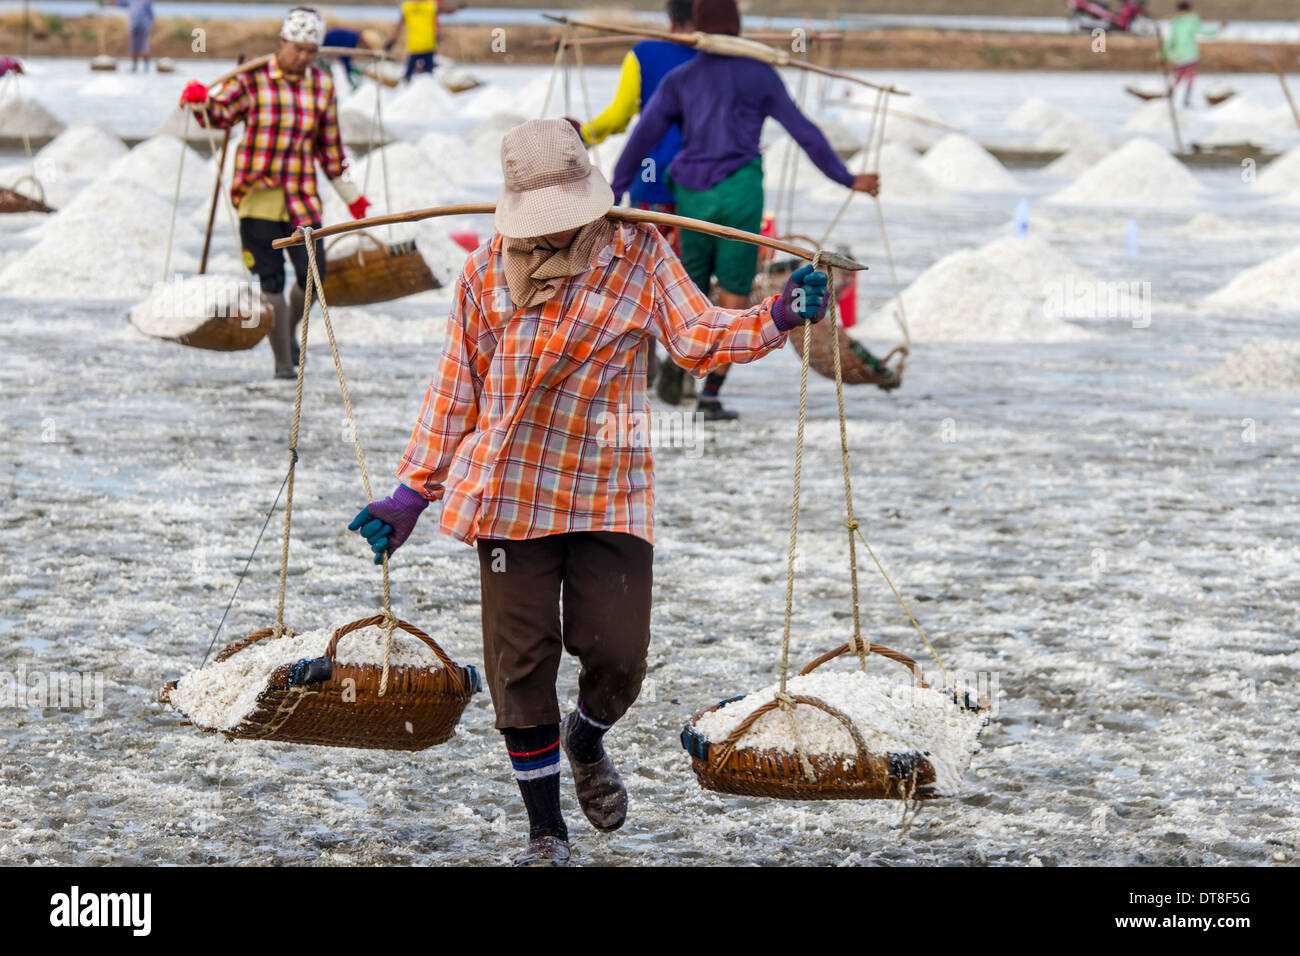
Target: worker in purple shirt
(720, 103)
(139, 25)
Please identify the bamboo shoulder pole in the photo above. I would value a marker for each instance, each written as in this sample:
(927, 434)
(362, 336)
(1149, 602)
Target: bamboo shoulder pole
(1169, 89)
(694, 40)
(618, 213)
(216, 196)
(1286, 90)
(266, 58)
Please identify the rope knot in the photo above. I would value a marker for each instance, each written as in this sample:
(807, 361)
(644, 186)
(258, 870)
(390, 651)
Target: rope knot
(852, 524)
(294, 452)
(785, 701)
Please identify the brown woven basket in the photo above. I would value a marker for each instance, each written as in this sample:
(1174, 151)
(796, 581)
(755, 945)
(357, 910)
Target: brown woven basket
(330, 704)
(726, 768)
(821, 358)
(232, 333)
(376, 273)
(11, 200)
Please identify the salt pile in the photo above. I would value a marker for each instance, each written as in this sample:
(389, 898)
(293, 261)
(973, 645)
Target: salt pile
(958, 162)
(180, 306)
(1070, 133)
(1240, 109)
(892, 717)
(1281, 120)
(1038, 269)
(1282, 173)
(1273, 285)
(74, 260)
(222, 694)
(358, 128)
(1154, 118)
(25, 116)
(423, 101)
(1077, 160)
(459, 163)
(840, 135)
(1235, 133)
(80, 152)
(1036, 113)
(154, 163)
(486, 137)
(1139, 173)
(783, 152)
(901, 179)
(414, 182)
(1260, 363)
(966, 298)
(525, 102)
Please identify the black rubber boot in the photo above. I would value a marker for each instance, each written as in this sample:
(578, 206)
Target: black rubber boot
(712, 411)
(669, 388)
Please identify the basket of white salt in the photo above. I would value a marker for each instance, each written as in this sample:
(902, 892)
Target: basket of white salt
(376, 272)
(307, 689)
(837, 736)
(12, 200)
(221, 313)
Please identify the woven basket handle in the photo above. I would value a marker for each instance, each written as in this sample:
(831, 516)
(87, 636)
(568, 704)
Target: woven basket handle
(880, 649)
(733, 738)
(452, 667)
(237, 646)
(34, 181)
(359, 236)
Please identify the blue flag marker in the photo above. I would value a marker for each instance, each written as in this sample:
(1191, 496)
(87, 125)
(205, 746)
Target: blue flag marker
(1021, 227)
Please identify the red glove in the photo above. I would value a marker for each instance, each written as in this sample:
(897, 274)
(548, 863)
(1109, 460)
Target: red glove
(194, 92)
(358, 208)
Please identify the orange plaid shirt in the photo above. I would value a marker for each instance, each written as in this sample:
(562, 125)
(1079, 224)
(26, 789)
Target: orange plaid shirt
(513, 426)
(289, 127)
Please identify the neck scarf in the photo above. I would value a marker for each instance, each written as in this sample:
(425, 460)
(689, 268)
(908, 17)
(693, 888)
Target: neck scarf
(535, 269)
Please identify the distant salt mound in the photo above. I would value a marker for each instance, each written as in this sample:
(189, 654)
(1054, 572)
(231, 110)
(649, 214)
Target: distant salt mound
(1260, 363)
(1038, 269)
(154, 163)
(1036, 113)
(1070, 133)
(901, 179)
(72, 259)
(358, 128)
(1239, 109)
(1139, 173)
(1154, 118)
(19, 117)
(784, 152)
(414, 182)
(1235, 133)
(1271, 286)
(526, 101)
(458, 161)
(1205, 224)
(80, 152)
(966, 298)
(486, 137)
(958, 162)
(423, 101)
(1280, 120)
(1283, 173)
(1078, 160)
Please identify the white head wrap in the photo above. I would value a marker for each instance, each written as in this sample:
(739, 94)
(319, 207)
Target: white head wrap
(303, 25)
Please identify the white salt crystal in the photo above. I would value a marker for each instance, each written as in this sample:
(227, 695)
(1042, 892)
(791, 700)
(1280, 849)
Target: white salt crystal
(901, 179)
(423, 101)
(1037, 268)
(1273, 285)
(1035, 113)
(1139, 173)
(966, 298)
(958, 162)
(155, 162)
(223, 693)
(1283, 173)
(19, 115)
(1260, 363)
(462, 165)
(180, 306)
(891, 716)
(1070, 133)
(81, 151)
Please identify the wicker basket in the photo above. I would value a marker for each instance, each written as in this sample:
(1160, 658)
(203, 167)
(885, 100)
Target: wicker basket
(854, 371)
(11, 200)
(726, 768)
(226, 333)
(330, 704)
(376, 273)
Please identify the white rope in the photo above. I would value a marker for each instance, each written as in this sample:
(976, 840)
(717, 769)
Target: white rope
(176, 198)
(555, 69)
(586, 100)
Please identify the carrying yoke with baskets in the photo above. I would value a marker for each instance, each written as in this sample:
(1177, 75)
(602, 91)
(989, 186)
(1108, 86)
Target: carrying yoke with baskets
(377, 272)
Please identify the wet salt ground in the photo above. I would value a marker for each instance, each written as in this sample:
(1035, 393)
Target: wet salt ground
(1078, 519)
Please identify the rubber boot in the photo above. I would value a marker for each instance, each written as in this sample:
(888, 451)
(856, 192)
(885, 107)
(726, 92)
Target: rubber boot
(281, 338)
(297, 297)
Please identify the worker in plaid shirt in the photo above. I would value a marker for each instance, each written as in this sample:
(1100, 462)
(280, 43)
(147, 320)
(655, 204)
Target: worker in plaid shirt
(545, 346)
(291, 124)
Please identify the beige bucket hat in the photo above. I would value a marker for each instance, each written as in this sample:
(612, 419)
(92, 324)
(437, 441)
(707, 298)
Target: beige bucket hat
(550, 184)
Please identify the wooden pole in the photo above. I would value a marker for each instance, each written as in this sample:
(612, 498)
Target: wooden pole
(1169, 89)
(254, 63)
(618, 213)
(690, 39)
(1281, 78)
(216, 196)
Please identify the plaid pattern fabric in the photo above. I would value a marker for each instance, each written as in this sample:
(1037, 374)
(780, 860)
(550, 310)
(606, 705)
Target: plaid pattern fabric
(520, 425)
(288, 129)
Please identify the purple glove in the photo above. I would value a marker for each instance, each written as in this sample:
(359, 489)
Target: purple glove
(804, 297)
(388, 522)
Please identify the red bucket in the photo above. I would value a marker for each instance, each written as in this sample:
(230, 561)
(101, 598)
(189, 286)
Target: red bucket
(848, 300)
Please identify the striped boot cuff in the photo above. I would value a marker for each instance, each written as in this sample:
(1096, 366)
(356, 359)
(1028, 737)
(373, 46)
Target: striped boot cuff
(595, 722)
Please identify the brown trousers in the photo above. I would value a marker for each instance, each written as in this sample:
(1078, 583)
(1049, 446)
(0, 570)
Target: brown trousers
(605, 579)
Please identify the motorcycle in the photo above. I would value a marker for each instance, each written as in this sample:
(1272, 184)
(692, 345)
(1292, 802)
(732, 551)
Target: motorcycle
(1089, 15)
